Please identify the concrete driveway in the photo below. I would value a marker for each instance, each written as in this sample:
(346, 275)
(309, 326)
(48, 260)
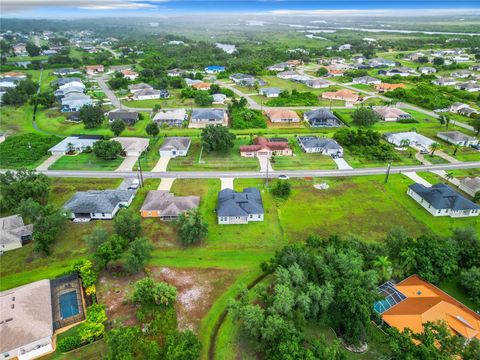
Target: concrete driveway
(162, 164)
(417, 178)
(342, 164)
(46, 164)
(226, 183)
(166, 184)
(265, 163)
(127, 164)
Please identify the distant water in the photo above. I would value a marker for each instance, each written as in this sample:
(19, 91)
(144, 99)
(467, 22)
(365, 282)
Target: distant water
(405, 31)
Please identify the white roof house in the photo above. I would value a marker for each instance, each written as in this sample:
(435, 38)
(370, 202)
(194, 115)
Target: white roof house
(470, 185)
(77, 144)
(219, 98)
(413, 138)
(175, 146)
(27, 321)
(132, 146)
(457, 138)
(171, 117)
(13, 233)
(78, 84)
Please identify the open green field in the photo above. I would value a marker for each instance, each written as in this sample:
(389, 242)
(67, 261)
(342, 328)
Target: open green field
(211, 161)
(14, 120)
(84, 161)
(174, 101)
(302, 160)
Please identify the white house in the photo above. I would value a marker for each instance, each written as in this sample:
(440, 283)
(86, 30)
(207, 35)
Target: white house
(442, 200)
(175, 146)
(133, 146)
(270, 92)
(411, 137)
(171, 117)
(97, 204)
(287, 75)
(471, 186)
(74, 143)
(387, 113)
(239, 207)
(219, 98)
(77, 84)
(147, 94)
(13, 233)
(27, 321)
(457, 138)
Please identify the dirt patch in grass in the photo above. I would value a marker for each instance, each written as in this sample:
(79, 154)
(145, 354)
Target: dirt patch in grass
(197, 290)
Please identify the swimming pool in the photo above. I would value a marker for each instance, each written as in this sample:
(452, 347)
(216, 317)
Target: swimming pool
(68, 304)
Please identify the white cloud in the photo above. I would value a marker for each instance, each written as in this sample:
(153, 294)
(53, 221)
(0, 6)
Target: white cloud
(25, 5)
(376, 12)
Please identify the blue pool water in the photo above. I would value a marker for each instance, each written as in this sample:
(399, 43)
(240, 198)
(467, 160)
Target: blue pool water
(68, 304)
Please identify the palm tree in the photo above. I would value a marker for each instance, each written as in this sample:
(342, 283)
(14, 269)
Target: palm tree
(409, 261)
(405, 143)
(449, 176)
(434, 147)
(447, 121)
(442, 119)
(384, 266)
(456, 147)
(70, 148)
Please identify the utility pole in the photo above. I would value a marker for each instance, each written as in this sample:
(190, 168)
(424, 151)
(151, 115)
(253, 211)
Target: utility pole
(267, 172)
(140, 169)
(388, 171)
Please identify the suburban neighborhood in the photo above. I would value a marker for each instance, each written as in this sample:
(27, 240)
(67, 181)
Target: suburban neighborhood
(225, 184)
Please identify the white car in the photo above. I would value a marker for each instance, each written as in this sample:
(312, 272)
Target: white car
(283, 177)
(134, 185)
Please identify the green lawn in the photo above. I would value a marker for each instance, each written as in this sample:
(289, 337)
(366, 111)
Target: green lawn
(16, 120)
(151, 156)
(174, 101)
(84, 161)
(359, 161)
(213, 161)
(94, 351)
(302, 160)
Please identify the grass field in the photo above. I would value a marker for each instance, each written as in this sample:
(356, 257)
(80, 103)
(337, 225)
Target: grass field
(84, 161)
(16, 120)
(302, 160)
(212, 161)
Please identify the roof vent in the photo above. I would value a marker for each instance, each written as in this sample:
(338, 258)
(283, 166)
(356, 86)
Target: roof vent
(419, 292)
(12, 306)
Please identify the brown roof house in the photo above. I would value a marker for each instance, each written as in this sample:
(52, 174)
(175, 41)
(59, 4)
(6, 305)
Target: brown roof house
(469, 185)
(344, 94)
(166, 206)
(384, 87)
(387, 113)
(282, 115)
(266, 147)
(94, 69)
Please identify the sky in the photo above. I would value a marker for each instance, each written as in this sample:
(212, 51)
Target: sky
(65, 9)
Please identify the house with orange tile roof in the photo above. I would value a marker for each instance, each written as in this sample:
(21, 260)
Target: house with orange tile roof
(94, 69)
(414, 301)
(335, 72)
(384, 87)
(282, 115)
(202, 86)
(129, 74)
(15, 74)
(266, 147)
(344, 94)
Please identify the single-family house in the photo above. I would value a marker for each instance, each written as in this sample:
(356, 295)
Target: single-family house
(279, 67)
(335, 72)
(469, 185)
(130, 117)
(134, 88)
(174, 72)
(175, 146)
(384, 87)
(380, 62)
(167, 206)
(322, 118)
(266, 147)
(149, 94)
(14, 233)
(190, 82)
(60, 93)
(203, 117)
(270, 92)
(227, 48)
(97, 204)
(444, 81)
(442, 200)
(74, 102)
(129, 74)
(171, 117)
(60, 82)
(239, 207)
(20, 49)
(468, 111)
(287, 75)
(461, 108)
(412, 138)
(325, 146)
(457, 138)
(243, 79)
(414, 301)
(27, 325)
(219, 98)
(76, 143)
(387, 113)
(469, 86)
(344, 94)
(14, 74)
(475, 67)
(345, 47)
(427, 70)
(414, 56)
(400, 71)
(462, 74)
(214, 69)
(94, 69)
(202, 86)
(282, 115)
(366, 80)
(317, 83)
(10, 82)
(132, 146)
(66, 72)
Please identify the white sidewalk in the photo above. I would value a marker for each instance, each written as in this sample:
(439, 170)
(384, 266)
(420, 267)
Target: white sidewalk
(166, 184)
(226, 183)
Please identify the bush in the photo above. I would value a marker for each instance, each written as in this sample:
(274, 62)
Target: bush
(69, 343)
(107, 149)
(470, 281)
(295, 98)
(282, 189)
(408, 121)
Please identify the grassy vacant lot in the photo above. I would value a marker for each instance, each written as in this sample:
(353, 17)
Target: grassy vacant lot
(215, 160)
(16, 120)
(174, 101)
(151, 156)
(405, 158)
(55, 122)
(84, 161)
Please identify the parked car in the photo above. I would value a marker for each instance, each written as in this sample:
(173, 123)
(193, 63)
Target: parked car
(134, 185)
(283, 177)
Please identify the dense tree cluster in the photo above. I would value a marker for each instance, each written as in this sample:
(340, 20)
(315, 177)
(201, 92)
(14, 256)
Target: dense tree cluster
(19, 95)
(294, 98)
(107, 149)
(217, 138)
(191, 227)
(244, 118)
(364, 116)
(92, 116)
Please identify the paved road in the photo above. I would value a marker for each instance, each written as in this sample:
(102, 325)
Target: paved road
(257, 174)
(110, 94)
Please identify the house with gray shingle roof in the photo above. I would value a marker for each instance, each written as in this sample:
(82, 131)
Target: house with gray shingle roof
(442, 200)
(167, 206)
(325, 146)
(203, 117)
(366, 80)
(321, 118)
(239, 207)
(175, 146)
(97, 204)
(13, 233)
(470, 185)
(457, 138)
(270, 92)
